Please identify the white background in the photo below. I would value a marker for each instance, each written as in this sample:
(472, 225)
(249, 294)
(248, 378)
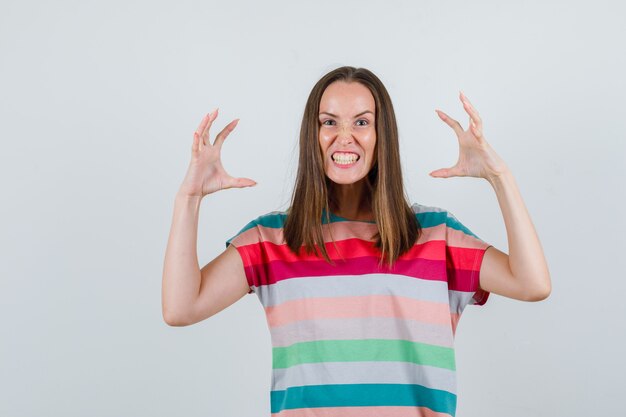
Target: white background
(98, 102)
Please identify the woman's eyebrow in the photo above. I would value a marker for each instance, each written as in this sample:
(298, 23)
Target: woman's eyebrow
(360, 114)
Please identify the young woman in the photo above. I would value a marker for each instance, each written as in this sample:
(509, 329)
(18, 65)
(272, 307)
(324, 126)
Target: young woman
(362, 291)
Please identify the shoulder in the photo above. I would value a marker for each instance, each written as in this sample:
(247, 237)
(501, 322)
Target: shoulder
(255, 230)
(273, 219)
(428, 215)
(431, 216)
(423, 208)
(436, 216)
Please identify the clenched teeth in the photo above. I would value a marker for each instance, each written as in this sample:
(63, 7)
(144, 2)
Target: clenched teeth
(345, 158)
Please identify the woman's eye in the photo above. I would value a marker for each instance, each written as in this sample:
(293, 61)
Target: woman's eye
(332, 122)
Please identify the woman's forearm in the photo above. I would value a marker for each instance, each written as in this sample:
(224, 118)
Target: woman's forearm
(526, 258)
(181, 272)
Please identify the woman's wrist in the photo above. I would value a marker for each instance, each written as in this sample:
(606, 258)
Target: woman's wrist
(501, 181)
(184, 197)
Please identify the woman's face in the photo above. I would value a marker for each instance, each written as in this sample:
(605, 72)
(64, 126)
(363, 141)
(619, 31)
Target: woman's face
(347, 132)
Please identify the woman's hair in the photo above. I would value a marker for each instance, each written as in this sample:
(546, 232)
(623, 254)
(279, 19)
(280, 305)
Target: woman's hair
(398, 228)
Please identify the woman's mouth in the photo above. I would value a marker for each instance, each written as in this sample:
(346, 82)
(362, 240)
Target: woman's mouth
(345, 159)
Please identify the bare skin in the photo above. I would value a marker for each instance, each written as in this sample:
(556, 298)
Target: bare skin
(347, 124)
(191, 294)
(523, 273)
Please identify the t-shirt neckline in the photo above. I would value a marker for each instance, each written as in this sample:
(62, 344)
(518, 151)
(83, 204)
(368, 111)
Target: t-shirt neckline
(334, 217)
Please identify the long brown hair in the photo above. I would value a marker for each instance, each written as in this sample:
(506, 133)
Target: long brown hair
(398, 228)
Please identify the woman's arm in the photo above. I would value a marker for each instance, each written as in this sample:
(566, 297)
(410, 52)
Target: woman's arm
(188, 293)
(522, 275)
(191, 294)
(181, 272)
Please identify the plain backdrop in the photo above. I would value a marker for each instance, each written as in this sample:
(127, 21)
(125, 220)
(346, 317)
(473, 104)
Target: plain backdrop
(98, 103)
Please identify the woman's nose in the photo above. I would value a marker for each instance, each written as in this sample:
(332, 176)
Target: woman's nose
(345, 134)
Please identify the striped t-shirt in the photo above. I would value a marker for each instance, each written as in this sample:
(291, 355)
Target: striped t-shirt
(356, 340)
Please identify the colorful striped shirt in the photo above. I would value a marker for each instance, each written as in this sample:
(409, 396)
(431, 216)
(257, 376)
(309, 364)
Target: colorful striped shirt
(358, 340)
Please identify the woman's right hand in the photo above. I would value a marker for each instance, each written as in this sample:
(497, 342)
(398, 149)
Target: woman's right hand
(206, 174)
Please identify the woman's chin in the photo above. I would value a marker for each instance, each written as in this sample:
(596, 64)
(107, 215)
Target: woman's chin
(345, 179)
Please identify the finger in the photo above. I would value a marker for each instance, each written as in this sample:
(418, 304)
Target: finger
(203, 123)
(473, 114)
(205, 132)
(195, 146)
(246, 182)
(440, 173)
(456, 126)
(239, 183)
(453, 171)
(477, 132)
(225, 132)
(469, 108)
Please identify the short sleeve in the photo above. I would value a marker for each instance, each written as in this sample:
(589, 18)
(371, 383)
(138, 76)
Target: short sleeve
(464, 255)
(248, 243)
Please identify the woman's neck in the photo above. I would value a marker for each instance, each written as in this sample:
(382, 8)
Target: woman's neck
(351, 201)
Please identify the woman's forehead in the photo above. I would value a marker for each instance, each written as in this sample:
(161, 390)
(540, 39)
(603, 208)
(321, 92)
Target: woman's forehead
(342, 97)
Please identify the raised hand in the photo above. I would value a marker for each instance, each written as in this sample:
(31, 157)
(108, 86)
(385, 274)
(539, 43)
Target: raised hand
(476, 157)
(206, 174)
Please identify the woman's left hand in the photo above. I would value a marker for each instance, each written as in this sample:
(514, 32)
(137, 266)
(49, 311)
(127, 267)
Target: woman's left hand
(476, 157)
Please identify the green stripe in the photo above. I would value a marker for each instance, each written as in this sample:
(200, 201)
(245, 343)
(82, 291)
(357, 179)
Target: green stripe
(431, 218)
(376, 350)
(453, 223)
(363, 395)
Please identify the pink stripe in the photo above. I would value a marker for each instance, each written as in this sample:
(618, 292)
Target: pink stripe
(365, 231)
(276, 271)
(316, 308)
(264, 252)
(462, 250)
(380, 411)
(462, 258)
(341, 231)
(460, 239)
(363, 328)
